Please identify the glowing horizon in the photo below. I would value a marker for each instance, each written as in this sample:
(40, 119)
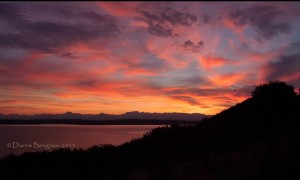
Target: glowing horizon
(117, 57)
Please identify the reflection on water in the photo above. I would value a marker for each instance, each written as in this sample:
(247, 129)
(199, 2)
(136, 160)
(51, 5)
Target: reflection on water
(23, 138)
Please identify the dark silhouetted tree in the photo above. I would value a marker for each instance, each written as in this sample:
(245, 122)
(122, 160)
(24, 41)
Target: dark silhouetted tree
(273, 89)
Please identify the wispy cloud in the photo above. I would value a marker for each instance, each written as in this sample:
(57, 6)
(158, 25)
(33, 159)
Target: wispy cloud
(267, 20)
(162, 21)
(52, 35)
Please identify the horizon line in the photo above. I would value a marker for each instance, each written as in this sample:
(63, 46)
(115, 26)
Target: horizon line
(106, 113)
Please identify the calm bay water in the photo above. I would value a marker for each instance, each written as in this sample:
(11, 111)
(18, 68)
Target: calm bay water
(24, 138)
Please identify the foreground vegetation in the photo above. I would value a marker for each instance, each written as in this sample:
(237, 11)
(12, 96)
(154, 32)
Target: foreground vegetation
(256, 139)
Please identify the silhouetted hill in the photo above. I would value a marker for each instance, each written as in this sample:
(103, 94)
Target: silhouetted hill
(271, 104)
(256, 139)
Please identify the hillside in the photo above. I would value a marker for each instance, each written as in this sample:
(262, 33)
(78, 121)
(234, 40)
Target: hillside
(256, 139)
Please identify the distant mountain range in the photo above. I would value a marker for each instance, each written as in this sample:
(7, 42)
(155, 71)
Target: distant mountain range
(135, 115)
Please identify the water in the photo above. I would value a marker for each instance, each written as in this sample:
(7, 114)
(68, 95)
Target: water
(17, 139)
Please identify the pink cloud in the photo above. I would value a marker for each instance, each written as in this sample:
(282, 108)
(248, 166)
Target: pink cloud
(122, 9)
(228, 79)
(210, 62)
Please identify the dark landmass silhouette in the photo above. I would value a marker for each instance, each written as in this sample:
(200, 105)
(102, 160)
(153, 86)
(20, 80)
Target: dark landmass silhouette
(256, 139)
(134, 117)
(97, 122)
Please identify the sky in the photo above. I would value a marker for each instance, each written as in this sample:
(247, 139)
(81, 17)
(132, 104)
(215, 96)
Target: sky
(117, 57)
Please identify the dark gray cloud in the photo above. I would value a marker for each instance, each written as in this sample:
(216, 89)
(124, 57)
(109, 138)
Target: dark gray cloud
(205, 19)
(149, 62)
(68, 55)
(188, 99)
(242, 91)
(267, 21)
(193, 80)
(190, 45)
(56, 33)
(287, 66)
(210, 18)
(10, 13)
(187, 77)
(159, 29)
(162, 21)
(87, 83)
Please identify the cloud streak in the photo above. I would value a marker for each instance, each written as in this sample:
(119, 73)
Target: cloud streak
(53, 36)
(190, 46)
(267, 21)
(162, 21)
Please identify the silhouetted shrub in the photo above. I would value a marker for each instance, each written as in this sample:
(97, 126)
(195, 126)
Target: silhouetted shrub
(273, 89)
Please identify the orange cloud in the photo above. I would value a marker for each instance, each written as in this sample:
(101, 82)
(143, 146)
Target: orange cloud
(227, 79)
(65, 95)
(120, 8)
(209, 62)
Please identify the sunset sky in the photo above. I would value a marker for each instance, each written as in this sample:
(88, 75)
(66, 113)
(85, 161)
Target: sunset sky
(115, 57)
